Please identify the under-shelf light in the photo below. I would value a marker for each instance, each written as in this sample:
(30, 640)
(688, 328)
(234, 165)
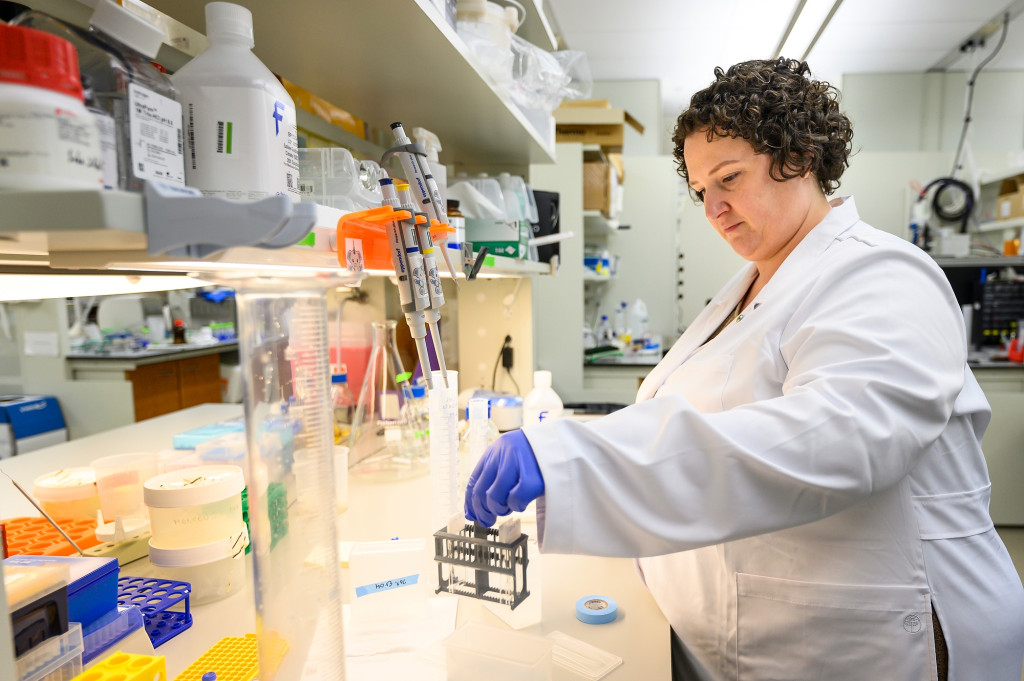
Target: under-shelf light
(39, 286)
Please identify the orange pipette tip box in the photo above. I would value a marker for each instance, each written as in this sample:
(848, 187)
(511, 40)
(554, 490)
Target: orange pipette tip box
(367, 227)
(35, 536)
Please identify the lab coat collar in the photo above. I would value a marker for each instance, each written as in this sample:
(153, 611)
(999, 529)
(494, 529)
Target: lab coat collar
(842, 215)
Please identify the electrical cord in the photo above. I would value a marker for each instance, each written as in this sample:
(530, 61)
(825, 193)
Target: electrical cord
(501, 351)
(970, 94)
(959, 208)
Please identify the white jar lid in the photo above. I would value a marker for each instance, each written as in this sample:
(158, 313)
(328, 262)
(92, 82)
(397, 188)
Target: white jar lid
(193, 486)
(203, 554)
(67, 484)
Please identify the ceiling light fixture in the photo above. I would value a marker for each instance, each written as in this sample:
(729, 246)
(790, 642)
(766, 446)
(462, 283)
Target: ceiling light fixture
(810, 19)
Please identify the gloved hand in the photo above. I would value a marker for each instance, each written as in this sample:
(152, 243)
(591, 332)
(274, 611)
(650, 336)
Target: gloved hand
(505, 479)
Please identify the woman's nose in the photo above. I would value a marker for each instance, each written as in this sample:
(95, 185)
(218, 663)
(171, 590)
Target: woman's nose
(714, 207)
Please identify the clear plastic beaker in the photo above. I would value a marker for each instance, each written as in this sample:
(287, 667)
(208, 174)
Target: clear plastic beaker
(119, 480)
(291, 484)
(386, 439)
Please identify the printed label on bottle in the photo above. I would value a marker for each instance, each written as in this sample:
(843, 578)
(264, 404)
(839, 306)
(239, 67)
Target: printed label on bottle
(36, 139)
(240, 143)
(157, 145)
(108, 146)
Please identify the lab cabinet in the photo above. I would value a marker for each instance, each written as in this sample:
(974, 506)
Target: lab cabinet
(1003, 443)
(169, 386)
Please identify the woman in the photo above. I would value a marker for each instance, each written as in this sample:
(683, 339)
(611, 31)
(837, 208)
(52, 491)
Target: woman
(802, 475)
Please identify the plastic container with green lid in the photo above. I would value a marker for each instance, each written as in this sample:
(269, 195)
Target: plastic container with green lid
(68, 493)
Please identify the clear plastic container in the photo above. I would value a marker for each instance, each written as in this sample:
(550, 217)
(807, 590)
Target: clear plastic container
(215, 570)
(56, 659)
(386, 580)
(68, 493)
(194, 506)
(333, 178)
(476, 651)
(115, 56)
(119, 481)
(283, 345)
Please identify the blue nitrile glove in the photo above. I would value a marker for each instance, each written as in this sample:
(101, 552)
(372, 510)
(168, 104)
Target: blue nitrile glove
(505, 479)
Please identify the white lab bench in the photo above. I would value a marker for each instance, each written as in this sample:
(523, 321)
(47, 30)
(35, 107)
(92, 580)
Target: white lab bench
(640, 634)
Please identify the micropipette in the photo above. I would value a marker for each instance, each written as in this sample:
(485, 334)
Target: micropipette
(433, 313)
(409, 270)
(413, 158)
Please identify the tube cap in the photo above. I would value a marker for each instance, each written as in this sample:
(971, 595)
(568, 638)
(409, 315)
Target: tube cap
(37, 59)
(127, 27)
(596, 609)
(228, 20)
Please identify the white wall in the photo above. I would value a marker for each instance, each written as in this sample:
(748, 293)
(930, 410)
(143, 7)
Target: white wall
(642, 99)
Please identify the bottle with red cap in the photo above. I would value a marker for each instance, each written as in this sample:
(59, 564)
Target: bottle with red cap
(136, 105)
(48, 140)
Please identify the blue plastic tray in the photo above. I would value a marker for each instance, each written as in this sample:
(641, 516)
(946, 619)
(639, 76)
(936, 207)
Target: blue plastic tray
(156, 598)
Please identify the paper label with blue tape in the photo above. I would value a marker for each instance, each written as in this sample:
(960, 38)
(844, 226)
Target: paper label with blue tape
(377, 587)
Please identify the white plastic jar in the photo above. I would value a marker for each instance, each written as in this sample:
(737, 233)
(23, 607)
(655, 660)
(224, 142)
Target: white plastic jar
(215, 570)
(194, 506)
(68, 494)
(48, 139)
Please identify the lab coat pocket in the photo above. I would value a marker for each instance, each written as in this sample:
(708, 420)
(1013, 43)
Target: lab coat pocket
(701, 380)
(801, 631)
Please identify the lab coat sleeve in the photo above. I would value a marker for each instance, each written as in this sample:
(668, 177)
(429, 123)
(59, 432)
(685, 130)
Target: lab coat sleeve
(872, 358)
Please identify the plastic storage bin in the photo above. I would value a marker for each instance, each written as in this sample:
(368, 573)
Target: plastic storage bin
(68, 493)
(194, 506)
(476, 651)
(57, 659)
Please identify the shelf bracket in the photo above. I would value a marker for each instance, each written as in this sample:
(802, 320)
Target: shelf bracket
(181, 222)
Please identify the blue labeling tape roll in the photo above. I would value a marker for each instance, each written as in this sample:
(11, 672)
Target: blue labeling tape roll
(596, 609)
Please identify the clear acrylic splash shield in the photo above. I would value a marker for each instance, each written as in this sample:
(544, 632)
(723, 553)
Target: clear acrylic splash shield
(283, 344)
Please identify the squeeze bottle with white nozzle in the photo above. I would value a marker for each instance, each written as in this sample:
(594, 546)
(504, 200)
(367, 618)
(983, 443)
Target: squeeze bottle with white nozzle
(542, 403)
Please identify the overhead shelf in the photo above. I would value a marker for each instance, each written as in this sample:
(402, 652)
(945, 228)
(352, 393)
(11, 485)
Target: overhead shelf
(981, 261)
(103, 229)
(390, 61)
(591, 275)
(595, 222)
(996, 225)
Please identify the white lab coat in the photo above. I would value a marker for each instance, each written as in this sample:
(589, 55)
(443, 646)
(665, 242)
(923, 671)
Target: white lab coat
(805, 487)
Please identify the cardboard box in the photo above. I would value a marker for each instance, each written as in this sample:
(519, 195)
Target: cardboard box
(599, 181)
(1010, 203)
(593, 121)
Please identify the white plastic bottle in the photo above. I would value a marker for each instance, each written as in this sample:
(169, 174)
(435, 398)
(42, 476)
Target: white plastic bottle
(48, 140)
(240, 136)
(542, 403)
(604, 331)
(620, 320)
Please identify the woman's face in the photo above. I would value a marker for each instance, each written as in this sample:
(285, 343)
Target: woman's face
(761, 218)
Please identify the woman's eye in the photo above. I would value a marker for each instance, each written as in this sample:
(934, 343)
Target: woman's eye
(700, 195)
(729, 178)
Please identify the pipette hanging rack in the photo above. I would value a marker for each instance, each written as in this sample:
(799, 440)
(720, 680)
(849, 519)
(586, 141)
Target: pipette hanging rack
(367, 227)
(478, 547)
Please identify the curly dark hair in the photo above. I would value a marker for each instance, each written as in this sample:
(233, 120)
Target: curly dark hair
(780, 111)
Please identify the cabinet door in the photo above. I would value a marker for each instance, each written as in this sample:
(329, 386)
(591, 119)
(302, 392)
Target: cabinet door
(200, 380)
(155, 389)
